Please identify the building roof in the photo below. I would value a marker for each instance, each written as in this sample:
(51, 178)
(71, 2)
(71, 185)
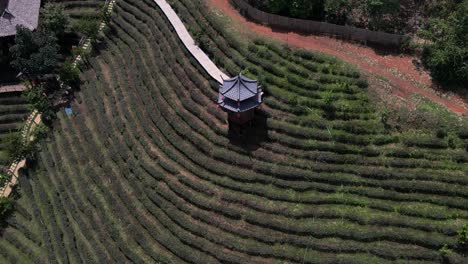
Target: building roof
(239, 88)
(240, 94)
(18, 12)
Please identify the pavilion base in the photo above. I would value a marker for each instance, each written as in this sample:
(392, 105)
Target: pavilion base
(241, 118)
(250, 135)
(239, 128)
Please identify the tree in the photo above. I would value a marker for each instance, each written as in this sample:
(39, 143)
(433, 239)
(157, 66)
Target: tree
(447, 56)
(88, 26)
(307, 9)
(37, 97)
(336, 10)
(69, 74)
(383, 15)
(280, 7)
(3, 56)
(6, 207)
(34, 53)
(463, 236)
(17, 148)
(54, 19)
(380, 7)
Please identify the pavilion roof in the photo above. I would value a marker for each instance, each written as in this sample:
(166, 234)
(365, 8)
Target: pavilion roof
(240, 94)
(18, 12)
(239, 88)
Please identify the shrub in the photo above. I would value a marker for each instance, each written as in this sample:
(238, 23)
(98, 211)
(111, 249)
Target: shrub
(37, 98)
(69, 74)
(6, 207)
(53, 19)
(4, 178)
(88, 26)
(17, 148)
(463, 237)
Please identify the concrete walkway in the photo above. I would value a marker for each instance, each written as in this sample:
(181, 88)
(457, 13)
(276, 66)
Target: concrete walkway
(189, 43)
(33, 121)
(12, 88)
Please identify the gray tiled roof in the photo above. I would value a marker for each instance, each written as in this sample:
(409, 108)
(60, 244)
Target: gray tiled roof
(239, 88)
(239, 94)
(19, 12)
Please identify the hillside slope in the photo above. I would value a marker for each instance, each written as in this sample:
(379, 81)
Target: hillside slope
(147, 171)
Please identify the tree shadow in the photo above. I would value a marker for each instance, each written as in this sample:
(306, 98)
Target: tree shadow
(250, 136)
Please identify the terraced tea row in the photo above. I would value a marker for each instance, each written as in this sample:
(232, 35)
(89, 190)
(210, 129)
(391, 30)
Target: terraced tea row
(147, 170)
(13, 112)
(88, 9)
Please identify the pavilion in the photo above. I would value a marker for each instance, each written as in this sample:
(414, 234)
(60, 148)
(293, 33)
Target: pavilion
(240, 96)
(18, 12)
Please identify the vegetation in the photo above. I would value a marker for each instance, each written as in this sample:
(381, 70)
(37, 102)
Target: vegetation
(79, 9)
(443, 24)
(147, 171)
(6, 207)
(384, 15)
(54, 19)
(13, 111)
(447, 55)
(88, 27)
(38, 99)
(34, 53)
(69, 75)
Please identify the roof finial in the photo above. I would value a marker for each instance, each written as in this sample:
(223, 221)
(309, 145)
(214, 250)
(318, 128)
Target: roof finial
(4, 7)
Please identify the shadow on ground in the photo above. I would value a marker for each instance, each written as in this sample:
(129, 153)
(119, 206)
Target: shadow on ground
(250, 136)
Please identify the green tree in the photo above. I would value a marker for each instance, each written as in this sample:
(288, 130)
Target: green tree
(34, 53)
(37, 97)
(69, 74)
(280, 7)
(447, 56)
(6, 207)
(336, 10)
(54, 19)
(88, 26)
(383, 15)
(463, 237)
(17, 148)
(379, 7)
(307, 9)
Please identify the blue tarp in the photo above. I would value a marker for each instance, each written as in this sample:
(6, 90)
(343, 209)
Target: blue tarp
(68, 111)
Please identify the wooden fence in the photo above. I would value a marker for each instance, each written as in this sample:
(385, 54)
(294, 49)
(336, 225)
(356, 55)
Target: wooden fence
(315, 27)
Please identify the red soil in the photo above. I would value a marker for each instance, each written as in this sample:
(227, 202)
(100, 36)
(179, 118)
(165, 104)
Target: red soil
(399, 70)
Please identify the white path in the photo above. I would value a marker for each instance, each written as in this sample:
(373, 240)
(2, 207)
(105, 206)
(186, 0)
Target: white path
(12, 88)
(189, 43)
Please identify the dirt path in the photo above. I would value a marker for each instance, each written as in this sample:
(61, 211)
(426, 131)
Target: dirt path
(399, 70)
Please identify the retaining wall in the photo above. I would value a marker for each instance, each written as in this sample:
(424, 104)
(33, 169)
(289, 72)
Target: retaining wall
(316, 27)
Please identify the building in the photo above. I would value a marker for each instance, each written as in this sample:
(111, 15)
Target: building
(239, 96)
(18, 12)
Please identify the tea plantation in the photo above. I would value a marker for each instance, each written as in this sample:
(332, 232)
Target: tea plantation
(146, 170)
